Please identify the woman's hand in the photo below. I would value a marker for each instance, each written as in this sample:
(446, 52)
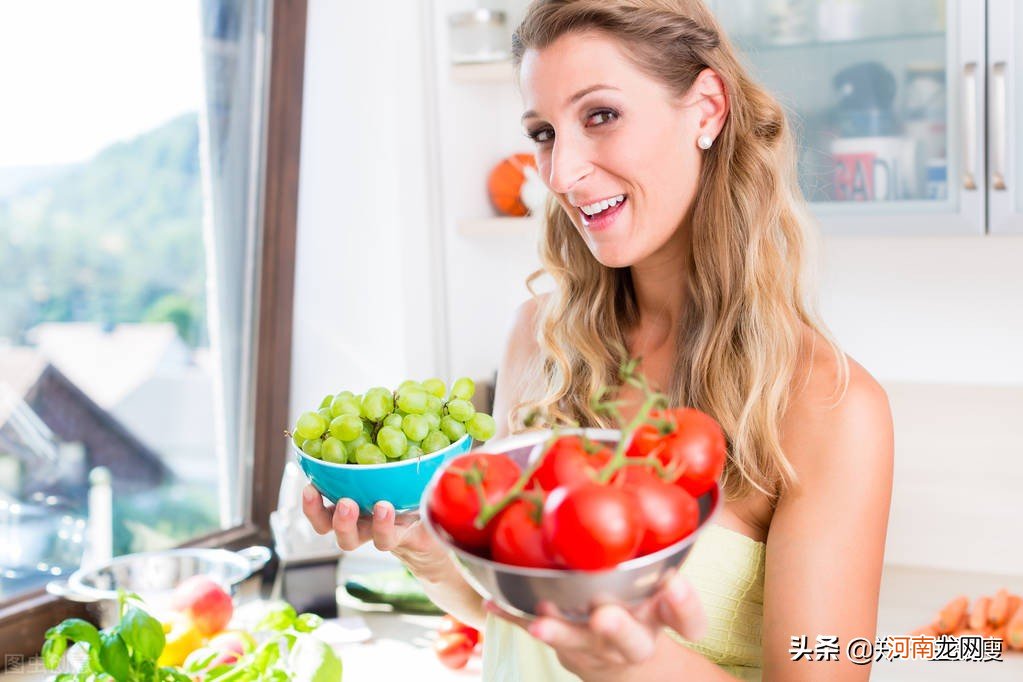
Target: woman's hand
(616, 642)
(401, 534)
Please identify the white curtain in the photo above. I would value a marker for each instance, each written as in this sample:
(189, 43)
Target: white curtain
(234, 44)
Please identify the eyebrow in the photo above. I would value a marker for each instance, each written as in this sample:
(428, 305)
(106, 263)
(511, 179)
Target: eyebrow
(574, 98)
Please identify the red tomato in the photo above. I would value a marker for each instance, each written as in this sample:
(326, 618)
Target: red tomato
(698, 447)
(518, 536)
(450, 624)
(649, 435)
(455, 503)
(590, 526)
(669, 513)
(453, 649)
(567, 461)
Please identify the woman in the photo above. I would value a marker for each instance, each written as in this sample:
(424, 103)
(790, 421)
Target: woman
(676, 234)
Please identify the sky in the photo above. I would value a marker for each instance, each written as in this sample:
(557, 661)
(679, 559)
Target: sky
(76, 76)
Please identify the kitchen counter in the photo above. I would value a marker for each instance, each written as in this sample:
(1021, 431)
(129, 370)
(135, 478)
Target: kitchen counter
(399, 645)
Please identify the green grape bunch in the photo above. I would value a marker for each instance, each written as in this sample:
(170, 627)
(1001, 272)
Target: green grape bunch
(380, 425)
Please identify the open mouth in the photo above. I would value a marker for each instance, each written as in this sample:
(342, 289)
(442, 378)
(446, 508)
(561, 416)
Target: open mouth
(601, 213)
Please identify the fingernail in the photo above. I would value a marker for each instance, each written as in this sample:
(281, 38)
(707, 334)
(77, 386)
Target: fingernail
(381, 511)
(343, 511)
(538, 630)
(309, 494)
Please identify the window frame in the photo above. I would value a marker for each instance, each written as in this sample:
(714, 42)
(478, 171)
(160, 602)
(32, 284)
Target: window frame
(25, 619)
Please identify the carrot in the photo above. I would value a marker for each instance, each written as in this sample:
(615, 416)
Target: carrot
(1014, 630)
(951, 614)
(979, 613)
(931, 629)
(998, 610)
(1014, 604)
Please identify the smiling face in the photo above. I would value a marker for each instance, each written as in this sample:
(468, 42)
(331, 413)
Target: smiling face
(614, 145)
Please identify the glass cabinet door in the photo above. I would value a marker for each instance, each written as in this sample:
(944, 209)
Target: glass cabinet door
(1005, 144)
(886, 101)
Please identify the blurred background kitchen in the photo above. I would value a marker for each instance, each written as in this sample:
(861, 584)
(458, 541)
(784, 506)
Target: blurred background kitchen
(130, 170)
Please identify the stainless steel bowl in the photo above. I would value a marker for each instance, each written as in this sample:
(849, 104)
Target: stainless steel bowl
(154, 575)
(576, 593)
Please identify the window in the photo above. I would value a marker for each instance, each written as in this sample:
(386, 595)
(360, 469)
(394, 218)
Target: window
(148, 191)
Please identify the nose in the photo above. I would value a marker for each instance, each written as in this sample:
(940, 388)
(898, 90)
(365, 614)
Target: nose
(568, 165)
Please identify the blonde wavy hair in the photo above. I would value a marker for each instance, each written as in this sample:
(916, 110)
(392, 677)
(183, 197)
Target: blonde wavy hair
(741, 337)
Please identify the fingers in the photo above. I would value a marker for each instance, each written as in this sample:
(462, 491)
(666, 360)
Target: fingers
(318, 514)
(680, 609)
(633, 640)
(348, 528)
(385, 537)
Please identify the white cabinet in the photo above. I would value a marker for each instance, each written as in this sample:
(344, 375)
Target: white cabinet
(905, 113)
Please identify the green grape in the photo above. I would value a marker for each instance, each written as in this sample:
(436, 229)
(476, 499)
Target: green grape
(326, 401)
(463, 388)
(325, 413)
(369, 454)
(462, 410)
(409, 383)
(412, 452)
(346, 426)
(435, 387)
(297, 440)
(433, 419)
(377, 404)
(415, 426)
(313, 447)
(333, 450)
(345, 404)
(434, 441)
(481, 426)
(393, 420)
(311, 425)
(392, 442)
(452, 428)
(434, 404)
(354, 444)
(412, 400)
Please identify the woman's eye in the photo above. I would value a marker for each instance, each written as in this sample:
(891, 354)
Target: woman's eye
(601, 117)
(541, 135)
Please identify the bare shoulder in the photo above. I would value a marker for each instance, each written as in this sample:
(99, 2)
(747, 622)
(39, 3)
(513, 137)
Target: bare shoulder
(828, 417)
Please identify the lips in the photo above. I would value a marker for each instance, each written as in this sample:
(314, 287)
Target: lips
(604, 219)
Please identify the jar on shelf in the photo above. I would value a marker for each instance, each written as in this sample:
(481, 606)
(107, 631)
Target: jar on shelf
(479, 36)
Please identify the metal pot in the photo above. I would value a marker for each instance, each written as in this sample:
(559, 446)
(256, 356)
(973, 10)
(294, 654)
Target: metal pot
(154, 575)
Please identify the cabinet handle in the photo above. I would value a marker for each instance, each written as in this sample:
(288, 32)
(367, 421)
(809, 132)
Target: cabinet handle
(969, 131)
(999, 141)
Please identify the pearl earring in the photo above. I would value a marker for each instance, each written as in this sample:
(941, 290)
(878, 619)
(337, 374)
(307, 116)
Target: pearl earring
(704, 141)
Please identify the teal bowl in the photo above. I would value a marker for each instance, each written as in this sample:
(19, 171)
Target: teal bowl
(400, 483)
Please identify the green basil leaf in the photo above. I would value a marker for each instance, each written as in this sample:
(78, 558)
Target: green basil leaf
(53, 651)
(142, 633)
(308, 622)
(173, 675)
(77, 630)
(114, 657)
(280, 617)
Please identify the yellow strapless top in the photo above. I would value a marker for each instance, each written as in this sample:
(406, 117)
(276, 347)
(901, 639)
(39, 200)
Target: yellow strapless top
(726, 568)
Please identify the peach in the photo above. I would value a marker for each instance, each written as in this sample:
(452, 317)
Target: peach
(204, 603)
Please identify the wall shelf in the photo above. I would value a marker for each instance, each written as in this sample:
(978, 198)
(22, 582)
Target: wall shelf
(489, 72)
(499, 227)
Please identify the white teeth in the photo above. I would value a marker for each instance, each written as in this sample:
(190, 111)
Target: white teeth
(602, 205)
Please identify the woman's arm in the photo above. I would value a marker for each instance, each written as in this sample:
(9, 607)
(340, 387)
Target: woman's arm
(825, 546)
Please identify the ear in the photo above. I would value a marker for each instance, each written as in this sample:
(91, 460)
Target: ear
(708, 95)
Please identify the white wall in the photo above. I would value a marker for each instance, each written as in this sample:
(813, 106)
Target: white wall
(366, 266)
